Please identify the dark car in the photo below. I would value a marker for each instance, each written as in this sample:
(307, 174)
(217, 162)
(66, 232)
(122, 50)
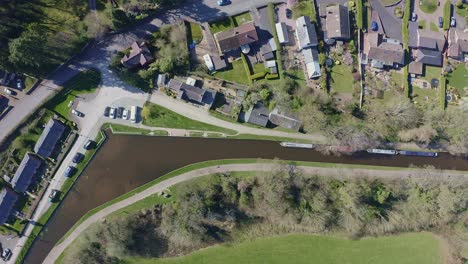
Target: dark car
(288, 13)
(118, 112)
(106, 111)
(89, 145)
(374, 26)
(223, 2)
(441, 22)
(54, 194)
(78, 157)
(69, 171)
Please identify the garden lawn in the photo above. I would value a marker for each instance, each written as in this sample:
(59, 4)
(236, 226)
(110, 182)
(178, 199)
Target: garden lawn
(341, 80)
(459, 78)
(83, 83)
(424, 96)
(433, 27)
(235, 73)
(422, 24)
(158, 116)
(242, 18)
(196, 32)
(222, 25)
(304, 8)
(431, 72)
(428, 6)
(406, 249)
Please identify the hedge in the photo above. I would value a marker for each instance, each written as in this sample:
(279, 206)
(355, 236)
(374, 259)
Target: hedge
(447, 11)
(272, 76)
(259, 75)
(442, 92)
(359, 14)
(405, 33)
(246, 67)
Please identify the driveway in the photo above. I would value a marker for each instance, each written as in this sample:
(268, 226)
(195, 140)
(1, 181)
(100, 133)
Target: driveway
(430, 17)
(391, 25)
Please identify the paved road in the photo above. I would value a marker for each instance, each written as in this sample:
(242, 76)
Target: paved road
(333, 172)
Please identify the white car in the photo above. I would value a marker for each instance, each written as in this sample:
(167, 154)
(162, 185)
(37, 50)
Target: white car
(125, 114)
(453, 22)
(8, 91)
(112, 113)
(77, 113)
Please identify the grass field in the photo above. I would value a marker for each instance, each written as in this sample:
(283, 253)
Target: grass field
(341, 79)
(195, 32)
(431, 72)
(159, 116)
(234, 73)
(428, 6)
(304, 8)
(459, 78)
(412, 248)
(222, 25)
(242, 18)
(83, 83)
(433, 27)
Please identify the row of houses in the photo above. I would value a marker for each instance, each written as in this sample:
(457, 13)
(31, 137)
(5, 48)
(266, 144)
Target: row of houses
(30, 166)
(259, 115)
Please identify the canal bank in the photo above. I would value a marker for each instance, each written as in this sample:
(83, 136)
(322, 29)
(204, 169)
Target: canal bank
(126, 162)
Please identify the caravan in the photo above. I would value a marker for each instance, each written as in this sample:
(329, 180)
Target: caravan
(133, 114)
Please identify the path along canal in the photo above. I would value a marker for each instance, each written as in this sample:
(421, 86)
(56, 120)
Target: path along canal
(126, 162)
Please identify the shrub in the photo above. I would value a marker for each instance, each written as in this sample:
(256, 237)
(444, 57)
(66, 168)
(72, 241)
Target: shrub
(359, 14)
(272, 76)
(259, 75)
(442, 92)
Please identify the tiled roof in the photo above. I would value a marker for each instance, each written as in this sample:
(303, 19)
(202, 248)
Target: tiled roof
(337, 22)
(305, 32)
(52, 133)
(26, 172)
(232, 39)
(7, 202)
(429, 57)
(257, 115)
(140, 55)
(285, 119)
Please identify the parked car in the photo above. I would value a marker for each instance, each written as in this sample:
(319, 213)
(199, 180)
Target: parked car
(78, 157)
(112, 113)
(77, 113)
(374, 26)
(6, 254)
(288, 13)
(125, 114)
(53, 195)
(441, 22)
(118, 112)
(88, 145)
(19, 84)
(106, 111)
(223, 2)
(8, 91)
(414, 17)
(69, 171)
(453, 22)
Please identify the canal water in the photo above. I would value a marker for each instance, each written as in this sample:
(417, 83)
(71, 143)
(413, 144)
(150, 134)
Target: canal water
(126, 162)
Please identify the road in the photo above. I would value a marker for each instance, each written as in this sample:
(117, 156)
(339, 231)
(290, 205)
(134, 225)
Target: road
(202, 11)
(333, 172)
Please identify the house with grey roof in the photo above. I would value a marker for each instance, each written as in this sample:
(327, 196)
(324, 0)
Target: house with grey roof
(415, 68)
(337, 25)
(257, 115)
(49, 138)
(285, 119)
(383, 52)
(139, 56)
(429, 57)
(8, 199)
(305, 33)
(26, 172)
(457, 44)
(192, 94)
(282, 33)
(311, 62)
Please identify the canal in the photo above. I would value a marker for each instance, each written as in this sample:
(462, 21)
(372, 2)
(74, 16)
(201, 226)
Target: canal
(126, 162)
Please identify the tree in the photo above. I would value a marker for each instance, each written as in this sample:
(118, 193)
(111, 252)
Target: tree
(265, 94)
(27, 52)
(322, 58)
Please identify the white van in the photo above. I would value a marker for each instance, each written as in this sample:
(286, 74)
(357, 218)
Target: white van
(133, 114)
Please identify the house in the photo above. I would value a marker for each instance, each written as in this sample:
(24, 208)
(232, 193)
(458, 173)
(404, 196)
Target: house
(271, 64)
(26, 172)
(305, 33)
(415, 68)
(8, 199)
(311, 62)
(234, 38)
(383, 52)
(457, 45)
(429, 57)
(282, 33)
(425, 39)
(49, 138)
(285, 119)
(257, 115)
(218, 62)
(139, 56)
(337, 23)
(192, 93)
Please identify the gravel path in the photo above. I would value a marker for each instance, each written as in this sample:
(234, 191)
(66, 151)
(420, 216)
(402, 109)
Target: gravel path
(333, 172)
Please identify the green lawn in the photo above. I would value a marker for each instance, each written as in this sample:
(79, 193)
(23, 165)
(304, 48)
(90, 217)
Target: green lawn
(397, 78)
(304, 8)
(422, 24)
(222, 25)
(297, 75)
(462, 11)
(341, 80)
(411, 248)
(431, 72)
(242, 18)
(459, 78)
(83, 83)
(195, 32)
(29, 82)
(433, 27)
(424, 96)
(258, 68)
(428, 6)
(234, 73)
(158, 116)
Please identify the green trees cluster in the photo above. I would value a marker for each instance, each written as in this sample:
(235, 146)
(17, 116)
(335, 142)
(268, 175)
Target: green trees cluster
(222, 208)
